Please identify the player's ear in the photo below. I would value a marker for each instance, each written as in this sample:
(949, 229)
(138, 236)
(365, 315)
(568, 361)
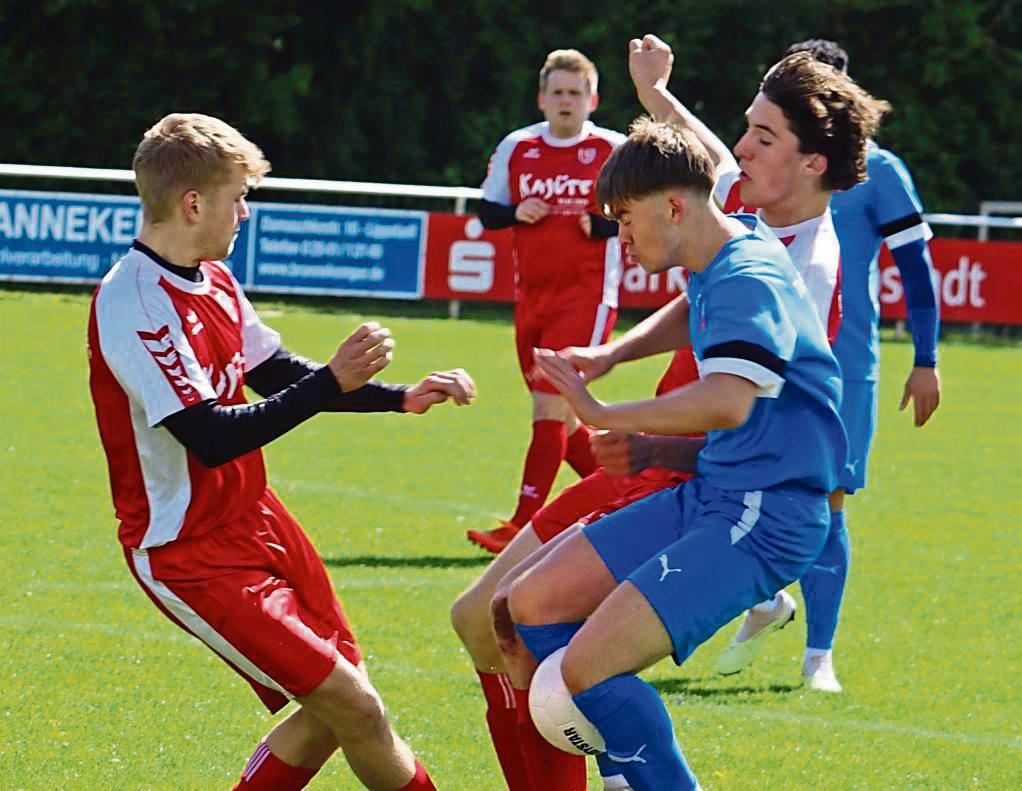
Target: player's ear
(541, 100)
(191, 204)
(594, 101)
(816, 165)
(678, 209)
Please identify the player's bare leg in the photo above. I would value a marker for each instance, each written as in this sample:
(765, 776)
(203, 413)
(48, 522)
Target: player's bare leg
(351, 708)
(563, 582)
(544, 764)
(470, 614)
(302, 740)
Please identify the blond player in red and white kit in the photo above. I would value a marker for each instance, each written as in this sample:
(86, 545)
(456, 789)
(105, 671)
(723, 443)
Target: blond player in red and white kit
(541, 182)
(172, 342)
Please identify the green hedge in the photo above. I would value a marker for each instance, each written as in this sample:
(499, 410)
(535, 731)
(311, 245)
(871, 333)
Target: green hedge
(421, 90)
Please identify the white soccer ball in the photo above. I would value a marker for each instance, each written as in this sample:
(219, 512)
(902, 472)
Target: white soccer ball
(555, 714)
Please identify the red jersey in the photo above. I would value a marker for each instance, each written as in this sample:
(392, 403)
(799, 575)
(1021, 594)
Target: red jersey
(556, 263)
(159, 343)
(812, 245)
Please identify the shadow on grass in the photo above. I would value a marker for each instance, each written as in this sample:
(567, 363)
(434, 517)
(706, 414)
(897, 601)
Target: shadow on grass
(418, 561)
(704, 688)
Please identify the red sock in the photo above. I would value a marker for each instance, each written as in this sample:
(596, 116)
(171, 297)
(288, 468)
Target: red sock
(266, 772)
(578, 454)
(546, 452)
(502, 720)
(547, 766)
(420, 782)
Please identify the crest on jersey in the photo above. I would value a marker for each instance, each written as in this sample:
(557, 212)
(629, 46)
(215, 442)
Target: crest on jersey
(532, 153)
(587, 155)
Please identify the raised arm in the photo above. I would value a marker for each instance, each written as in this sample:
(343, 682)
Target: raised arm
(649, 62)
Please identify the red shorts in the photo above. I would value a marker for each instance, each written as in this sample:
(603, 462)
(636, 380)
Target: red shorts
(579, 326)
(257, 593)
(597, 495)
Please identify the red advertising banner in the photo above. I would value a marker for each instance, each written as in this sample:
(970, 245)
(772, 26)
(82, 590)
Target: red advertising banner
(465, 261)
(977, 281)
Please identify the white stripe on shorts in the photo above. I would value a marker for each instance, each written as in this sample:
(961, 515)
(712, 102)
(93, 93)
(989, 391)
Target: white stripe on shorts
(753, 501)
(197, 626)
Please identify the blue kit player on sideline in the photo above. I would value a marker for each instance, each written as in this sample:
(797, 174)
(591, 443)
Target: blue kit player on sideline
(660, 576)
(883, 209)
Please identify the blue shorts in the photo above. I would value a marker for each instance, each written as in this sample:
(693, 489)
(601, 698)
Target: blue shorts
(859, 414)
(701, 555)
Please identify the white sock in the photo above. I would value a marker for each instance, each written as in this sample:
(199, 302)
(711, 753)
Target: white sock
(814, 653)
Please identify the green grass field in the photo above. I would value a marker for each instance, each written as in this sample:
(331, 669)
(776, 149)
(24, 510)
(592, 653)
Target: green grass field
(99, 691)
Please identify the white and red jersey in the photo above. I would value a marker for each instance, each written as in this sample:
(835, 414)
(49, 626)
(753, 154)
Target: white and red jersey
(556, 263)
(813, 247)
(159, 343)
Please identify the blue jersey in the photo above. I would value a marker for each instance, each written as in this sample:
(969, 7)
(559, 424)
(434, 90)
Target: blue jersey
(751, 316)
(884, 208)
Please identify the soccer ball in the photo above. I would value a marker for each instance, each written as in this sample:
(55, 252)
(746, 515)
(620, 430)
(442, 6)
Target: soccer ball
(555, 714)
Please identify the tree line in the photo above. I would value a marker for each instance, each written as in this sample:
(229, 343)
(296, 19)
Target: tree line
(420, 91)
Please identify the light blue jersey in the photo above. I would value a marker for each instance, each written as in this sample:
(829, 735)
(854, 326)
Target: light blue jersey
(751, 316)
(885, 207)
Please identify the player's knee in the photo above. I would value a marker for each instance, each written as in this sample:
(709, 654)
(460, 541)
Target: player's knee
(352, 707)
(470, 617)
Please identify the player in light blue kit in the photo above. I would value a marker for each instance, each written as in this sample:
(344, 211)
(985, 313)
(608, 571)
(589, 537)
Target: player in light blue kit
(883, 209)
(662, 575)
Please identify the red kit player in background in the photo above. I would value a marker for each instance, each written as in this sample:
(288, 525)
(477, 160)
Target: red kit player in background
(541, 182)
(172, 340)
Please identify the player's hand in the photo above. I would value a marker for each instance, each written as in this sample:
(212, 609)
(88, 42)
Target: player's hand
(362, 355)
(438, 387)
(570, 384)
(590, 361)
(621, 453)
(531, 210)
(649, 62)
(585, 222)
(922, 388)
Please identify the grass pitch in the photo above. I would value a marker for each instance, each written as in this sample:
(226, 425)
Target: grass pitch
(101, 692)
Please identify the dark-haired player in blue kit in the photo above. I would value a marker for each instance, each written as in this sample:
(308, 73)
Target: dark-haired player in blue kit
(662, 575)
(883, 209)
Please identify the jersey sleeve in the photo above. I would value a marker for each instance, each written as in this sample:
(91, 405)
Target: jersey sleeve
(898, 211)
(146, 348)
(497, 184)
(747, 333)
(725, 191)
(259, 342)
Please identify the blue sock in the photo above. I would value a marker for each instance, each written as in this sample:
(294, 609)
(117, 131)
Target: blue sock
(638, 732)
(544, 640)
(823, 584)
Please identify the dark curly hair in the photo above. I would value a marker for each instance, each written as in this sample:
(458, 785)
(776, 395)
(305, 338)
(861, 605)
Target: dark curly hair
(823, 50)
(828, 112)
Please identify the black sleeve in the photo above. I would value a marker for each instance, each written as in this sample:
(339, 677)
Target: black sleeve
(284, 368)
(279, 371)
(495, 216)
(217, 434)
(602, 227)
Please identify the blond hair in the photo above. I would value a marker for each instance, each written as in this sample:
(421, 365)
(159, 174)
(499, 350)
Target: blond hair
(569, 60)
(186, 151)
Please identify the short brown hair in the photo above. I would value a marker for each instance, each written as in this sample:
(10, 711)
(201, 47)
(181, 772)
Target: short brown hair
(656, 156)
(829, 114)
(569, 60)
(185, 151)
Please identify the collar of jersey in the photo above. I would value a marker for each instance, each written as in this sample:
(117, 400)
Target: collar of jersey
(557, 142)
(183, 284)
